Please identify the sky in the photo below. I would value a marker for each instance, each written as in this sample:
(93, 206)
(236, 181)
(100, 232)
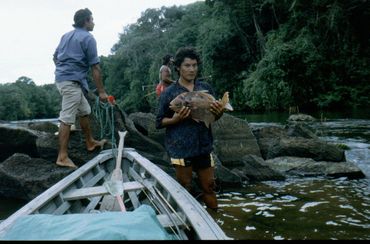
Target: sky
(31, 31)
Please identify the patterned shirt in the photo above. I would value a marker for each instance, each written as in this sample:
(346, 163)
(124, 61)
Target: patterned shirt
(75, 54)
(187, 138)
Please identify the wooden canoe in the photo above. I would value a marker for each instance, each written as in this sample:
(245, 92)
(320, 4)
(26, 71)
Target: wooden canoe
(143, 182)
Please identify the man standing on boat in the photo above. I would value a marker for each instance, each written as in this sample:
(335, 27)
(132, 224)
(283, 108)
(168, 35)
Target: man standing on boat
(75, 54)
(189, 143)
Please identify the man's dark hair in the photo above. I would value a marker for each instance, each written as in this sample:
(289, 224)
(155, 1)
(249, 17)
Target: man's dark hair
(185, 52)
(81, 16)
(166, 59)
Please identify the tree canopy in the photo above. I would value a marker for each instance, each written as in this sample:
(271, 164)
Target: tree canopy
(24, 100)
(269, 54)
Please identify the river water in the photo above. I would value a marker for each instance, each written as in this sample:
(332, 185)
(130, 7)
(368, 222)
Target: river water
(297, 208)
(305, 208)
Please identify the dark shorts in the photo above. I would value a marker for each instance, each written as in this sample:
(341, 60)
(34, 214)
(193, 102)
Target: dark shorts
(198, 162)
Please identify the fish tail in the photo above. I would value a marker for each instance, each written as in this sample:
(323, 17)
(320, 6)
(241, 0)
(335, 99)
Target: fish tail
(226, 102)
(225, 99)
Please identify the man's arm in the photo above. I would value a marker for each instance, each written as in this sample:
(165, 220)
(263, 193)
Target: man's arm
(55, 56)
(217, 109)
(166, 77)
(96, 73)
(177, 117)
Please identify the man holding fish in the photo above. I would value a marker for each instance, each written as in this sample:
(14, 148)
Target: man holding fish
(186, 110)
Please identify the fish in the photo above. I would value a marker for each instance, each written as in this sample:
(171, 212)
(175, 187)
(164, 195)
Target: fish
(199, 103)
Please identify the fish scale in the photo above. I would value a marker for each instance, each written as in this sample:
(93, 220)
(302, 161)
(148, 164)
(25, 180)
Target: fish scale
(199, 103)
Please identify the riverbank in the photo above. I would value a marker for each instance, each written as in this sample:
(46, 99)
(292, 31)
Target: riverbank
(304, 208)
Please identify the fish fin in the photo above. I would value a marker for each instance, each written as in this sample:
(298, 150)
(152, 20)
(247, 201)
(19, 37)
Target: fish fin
(205, 91)
(229, 107)
(225, 99)
(226, 102)
(196, 120)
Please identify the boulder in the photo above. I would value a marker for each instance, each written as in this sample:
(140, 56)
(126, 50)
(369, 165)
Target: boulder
(301, 117)
(44, 126)
(296, 141)
(255, 169)
(145, 123)
(309, 167)
(233, 139)
(149, 148)
(13, 140)
(23, 177)
(305, 148)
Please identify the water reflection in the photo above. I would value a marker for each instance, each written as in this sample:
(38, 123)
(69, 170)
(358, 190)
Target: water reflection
(297, 209)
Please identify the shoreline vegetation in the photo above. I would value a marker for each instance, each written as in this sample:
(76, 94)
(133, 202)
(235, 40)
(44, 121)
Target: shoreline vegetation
(269, 55)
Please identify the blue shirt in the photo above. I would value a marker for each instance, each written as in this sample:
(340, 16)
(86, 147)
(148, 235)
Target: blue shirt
(187, 138)
(75, 54)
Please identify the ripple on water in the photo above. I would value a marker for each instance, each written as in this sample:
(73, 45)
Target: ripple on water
(286, 199)
(248, 228)
(337, 208)
(310, 205)
(279, 238)
(332, 223)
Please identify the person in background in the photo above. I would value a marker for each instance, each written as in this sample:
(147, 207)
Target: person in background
(189, 143)
(74, 56)
(165, 79)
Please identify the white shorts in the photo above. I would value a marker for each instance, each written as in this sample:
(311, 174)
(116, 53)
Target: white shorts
(74, 102)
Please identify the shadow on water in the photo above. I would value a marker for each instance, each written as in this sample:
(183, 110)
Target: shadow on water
(8, 206)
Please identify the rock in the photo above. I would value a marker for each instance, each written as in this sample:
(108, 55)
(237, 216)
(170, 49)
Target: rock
(301, 117)
(256, 170)
(301, 130)
(44, 126)
(233, 139)
(145, 123)
(308, 167)
(239, 153)
(305, 148)
(146, 146)
(296, 141)
(13, 140)
(23, 177)
(226, 177)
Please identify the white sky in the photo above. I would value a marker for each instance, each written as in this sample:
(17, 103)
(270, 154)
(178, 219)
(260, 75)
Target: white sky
(31, 30)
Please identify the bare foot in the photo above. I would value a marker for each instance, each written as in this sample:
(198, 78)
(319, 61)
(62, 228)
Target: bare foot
(66, 163)
(96, 144)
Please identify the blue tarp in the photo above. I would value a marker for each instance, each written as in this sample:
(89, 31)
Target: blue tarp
(141, 224)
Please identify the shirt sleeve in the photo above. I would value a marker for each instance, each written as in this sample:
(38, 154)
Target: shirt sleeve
(91, 51)
(55, 55)
(164, 110)
(56, 52)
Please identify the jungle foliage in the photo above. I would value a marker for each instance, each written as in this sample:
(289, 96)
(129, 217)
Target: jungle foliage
(24, 100)
(269, 54)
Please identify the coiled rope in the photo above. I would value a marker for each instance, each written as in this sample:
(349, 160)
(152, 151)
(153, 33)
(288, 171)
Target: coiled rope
(104, 114)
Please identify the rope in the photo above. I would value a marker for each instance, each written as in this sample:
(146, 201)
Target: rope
(104, 114)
